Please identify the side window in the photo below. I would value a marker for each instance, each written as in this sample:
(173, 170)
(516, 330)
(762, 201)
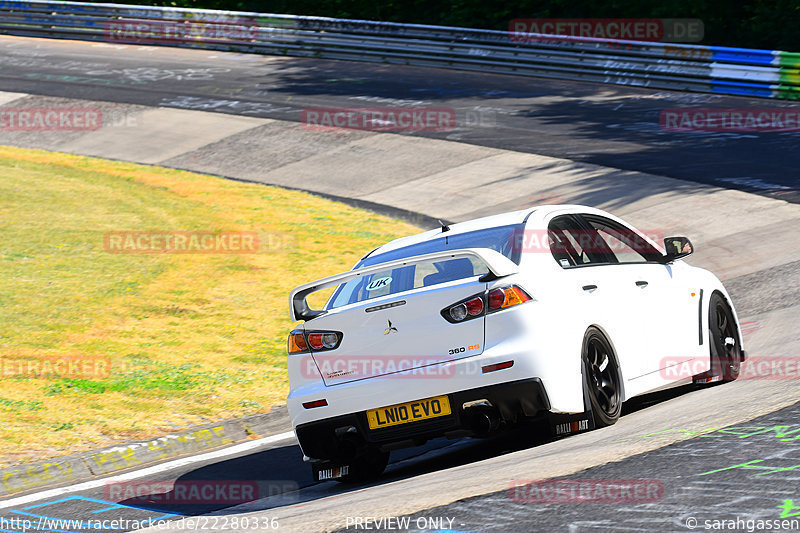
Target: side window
(422, 271)
(573, 245)
(449, 271)
(428, 273)
(626, 245)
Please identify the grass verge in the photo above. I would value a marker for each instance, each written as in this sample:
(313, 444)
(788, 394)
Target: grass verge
(170, 340)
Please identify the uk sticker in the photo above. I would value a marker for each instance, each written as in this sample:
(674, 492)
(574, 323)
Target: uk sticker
(379, 283)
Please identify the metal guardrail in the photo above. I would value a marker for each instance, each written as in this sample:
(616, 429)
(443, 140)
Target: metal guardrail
(709, 69)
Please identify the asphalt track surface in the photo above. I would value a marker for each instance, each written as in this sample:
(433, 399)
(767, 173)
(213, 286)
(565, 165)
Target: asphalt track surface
(606, 125)
(746, 472)
(277, 465)
(741, 476)
(602, 124)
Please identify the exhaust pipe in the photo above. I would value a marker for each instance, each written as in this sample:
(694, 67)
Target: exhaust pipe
(349, 443)
(483, 418)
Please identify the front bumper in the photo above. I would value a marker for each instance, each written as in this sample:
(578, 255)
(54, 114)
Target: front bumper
(341, 438)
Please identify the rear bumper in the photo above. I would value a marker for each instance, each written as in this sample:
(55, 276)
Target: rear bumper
(342, 437)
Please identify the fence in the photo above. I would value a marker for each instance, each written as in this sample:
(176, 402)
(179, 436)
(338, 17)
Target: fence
(681, 67)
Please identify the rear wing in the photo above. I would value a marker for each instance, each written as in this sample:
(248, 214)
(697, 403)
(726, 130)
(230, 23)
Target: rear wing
(498, 264)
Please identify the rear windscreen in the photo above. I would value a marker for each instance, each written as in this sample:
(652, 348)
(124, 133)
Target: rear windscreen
(426, 273)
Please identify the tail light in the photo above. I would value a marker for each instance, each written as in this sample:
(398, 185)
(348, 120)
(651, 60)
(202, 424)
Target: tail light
(315, 341)
(468, 309)
(323, 341)
(506, 297)
(483, 304)
(297, 343)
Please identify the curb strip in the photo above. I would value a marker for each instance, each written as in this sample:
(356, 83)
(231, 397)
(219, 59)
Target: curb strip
(88, 465)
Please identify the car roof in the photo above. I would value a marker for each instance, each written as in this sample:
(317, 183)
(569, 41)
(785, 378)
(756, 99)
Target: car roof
(492, 221)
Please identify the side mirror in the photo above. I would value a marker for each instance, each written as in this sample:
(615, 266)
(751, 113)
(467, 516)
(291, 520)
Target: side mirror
(677, 247)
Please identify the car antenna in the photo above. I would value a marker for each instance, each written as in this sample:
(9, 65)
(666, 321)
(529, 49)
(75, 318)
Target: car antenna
(445, 227)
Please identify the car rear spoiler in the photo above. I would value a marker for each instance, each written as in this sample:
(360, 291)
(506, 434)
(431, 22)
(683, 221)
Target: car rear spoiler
(498, 264)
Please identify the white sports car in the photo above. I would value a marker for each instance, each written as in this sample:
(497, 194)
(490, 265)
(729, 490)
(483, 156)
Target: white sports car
(559, 312)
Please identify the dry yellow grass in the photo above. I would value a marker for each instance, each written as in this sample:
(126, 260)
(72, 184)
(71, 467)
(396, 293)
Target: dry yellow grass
(190, 337)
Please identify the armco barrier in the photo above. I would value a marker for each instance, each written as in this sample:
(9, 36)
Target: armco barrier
(712, 69)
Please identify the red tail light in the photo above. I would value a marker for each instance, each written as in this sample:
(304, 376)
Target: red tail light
(482, 304)
(507, 297)
(315, 403)
(323, 341)
(496, 298)
(475, 306)
(317, 341)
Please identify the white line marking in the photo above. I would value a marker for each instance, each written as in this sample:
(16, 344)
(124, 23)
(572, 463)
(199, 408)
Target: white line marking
(88, 485)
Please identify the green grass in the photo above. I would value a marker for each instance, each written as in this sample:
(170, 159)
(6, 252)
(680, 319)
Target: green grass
(189, 337)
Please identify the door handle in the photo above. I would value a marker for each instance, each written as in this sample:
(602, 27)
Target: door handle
(589, 288)
(641, 284)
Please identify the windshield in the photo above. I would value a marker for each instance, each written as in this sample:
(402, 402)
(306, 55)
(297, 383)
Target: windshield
(427, 273)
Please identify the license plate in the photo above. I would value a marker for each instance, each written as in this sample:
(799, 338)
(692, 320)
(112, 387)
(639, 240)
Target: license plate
(404, 413)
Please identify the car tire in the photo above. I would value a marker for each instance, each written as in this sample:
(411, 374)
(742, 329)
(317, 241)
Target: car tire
(366, 467)
(724, 339)
(601, 378)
